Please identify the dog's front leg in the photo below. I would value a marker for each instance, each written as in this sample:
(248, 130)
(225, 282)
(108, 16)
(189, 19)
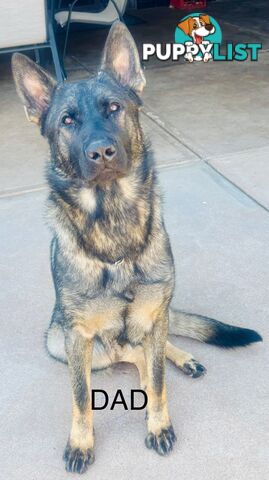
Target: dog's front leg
(207, 57)
(189, 57)
(78, 454)
(161, 435)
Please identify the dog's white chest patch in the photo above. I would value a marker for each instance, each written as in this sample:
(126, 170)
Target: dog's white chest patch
(87, 199)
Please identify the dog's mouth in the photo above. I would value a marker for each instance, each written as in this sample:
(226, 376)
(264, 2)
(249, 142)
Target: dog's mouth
(108, 174)
(198, 39)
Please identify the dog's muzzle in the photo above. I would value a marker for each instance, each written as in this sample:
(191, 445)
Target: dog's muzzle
(102, 162)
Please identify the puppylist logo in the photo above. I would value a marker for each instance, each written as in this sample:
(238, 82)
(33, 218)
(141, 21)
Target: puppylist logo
(198, 37)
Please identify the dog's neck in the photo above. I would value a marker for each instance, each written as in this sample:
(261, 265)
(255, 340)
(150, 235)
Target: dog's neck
(110, 222)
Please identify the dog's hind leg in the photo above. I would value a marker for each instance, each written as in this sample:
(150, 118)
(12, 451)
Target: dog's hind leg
(184, 361)
(136, 356)
(54, 337)
(181, 359)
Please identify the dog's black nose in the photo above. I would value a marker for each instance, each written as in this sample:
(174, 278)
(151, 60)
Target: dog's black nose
(98, 152)
(209, 27)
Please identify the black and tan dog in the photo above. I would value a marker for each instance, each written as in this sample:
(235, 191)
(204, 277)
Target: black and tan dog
(111, 260)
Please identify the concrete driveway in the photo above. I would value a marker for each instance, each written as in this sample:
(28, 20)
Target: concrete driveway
(210, 130)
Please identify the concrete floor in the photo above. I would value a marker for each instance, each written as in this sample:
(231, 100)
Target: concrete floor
(210, 130)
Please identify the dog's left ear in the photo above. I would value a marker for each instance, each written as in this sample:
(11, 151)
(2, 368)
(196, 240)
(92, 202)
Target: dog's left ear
(34, 86)
(121, 58)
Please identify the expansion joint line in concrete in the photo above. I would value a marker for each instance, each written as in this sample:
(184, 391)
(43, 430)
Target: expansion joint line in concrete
(15, 192)
(236, 186)
(176, 136)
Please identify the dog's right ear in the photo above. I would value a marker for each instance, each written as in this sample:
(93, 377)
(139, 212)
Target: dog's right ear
(34, 86)
(185, 26)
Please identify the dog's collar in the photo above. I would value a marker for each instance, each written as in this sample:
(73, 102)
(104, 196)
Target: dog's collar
(118, 262)
(112, 264)
(106, 261)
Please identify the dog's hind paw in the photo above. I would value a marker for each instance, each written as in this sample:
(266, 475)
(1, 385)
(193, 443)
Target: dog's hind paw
(76, 460)
(163, 442)
(193, 368)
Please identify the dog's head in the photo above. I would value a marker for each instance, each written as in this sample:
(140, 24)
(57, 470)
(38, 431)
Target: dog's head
(197, 27)
(92, 126)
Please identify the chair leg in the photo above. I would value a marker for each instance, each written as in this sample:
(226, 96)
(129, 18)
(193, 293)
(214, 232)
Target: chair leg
(118, 11)
(66, 34)
(37, 56)
(59, 68)
(71, 6)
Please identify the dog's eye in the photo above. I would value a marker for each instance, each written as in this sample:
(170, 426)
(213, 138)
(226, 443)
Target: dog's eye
(202, 24)
(195, 25)
(68, 120)
(113, 107)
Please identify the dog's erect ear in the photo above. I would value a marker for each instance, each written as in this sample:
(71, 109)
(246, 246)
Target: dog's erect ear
(205, 18)
(121, 58)
(185, 26)
(34, 86)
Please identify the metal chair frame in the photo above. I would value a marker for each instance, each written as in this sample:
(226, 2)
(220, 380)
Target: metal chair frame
(51, 43)
(70, 10)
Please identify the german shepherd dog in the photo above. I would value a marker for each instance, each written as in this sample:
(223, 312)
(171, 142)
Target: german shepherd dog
(111, 260)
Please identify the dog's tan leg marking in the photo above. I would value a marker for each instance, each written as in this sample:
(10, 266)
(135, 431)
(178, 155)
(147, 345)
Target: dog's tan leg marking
(184, 361)
(160, 431)
(136, 356)
(78, 454)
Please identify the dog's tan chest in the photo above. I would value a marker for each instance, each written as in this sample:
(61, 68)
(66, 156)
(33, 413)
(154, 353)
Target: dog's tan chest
(100, 316)
(112, 317)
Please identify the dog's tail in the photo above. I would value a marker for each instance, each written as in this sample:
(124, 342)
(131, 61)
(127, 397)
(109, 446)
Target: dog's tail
(211, 331)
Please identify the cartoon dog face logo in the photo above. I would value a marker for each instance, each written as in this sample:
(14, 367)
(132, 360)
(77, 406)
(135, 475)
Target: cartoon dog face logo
(197, 27)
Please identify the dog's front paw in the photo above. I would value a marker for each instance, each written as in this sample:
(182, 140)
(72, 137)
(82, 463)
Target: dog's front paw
(193, 368)
(188, 57)
(77, 460)
(207, 57)
(163, 442)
